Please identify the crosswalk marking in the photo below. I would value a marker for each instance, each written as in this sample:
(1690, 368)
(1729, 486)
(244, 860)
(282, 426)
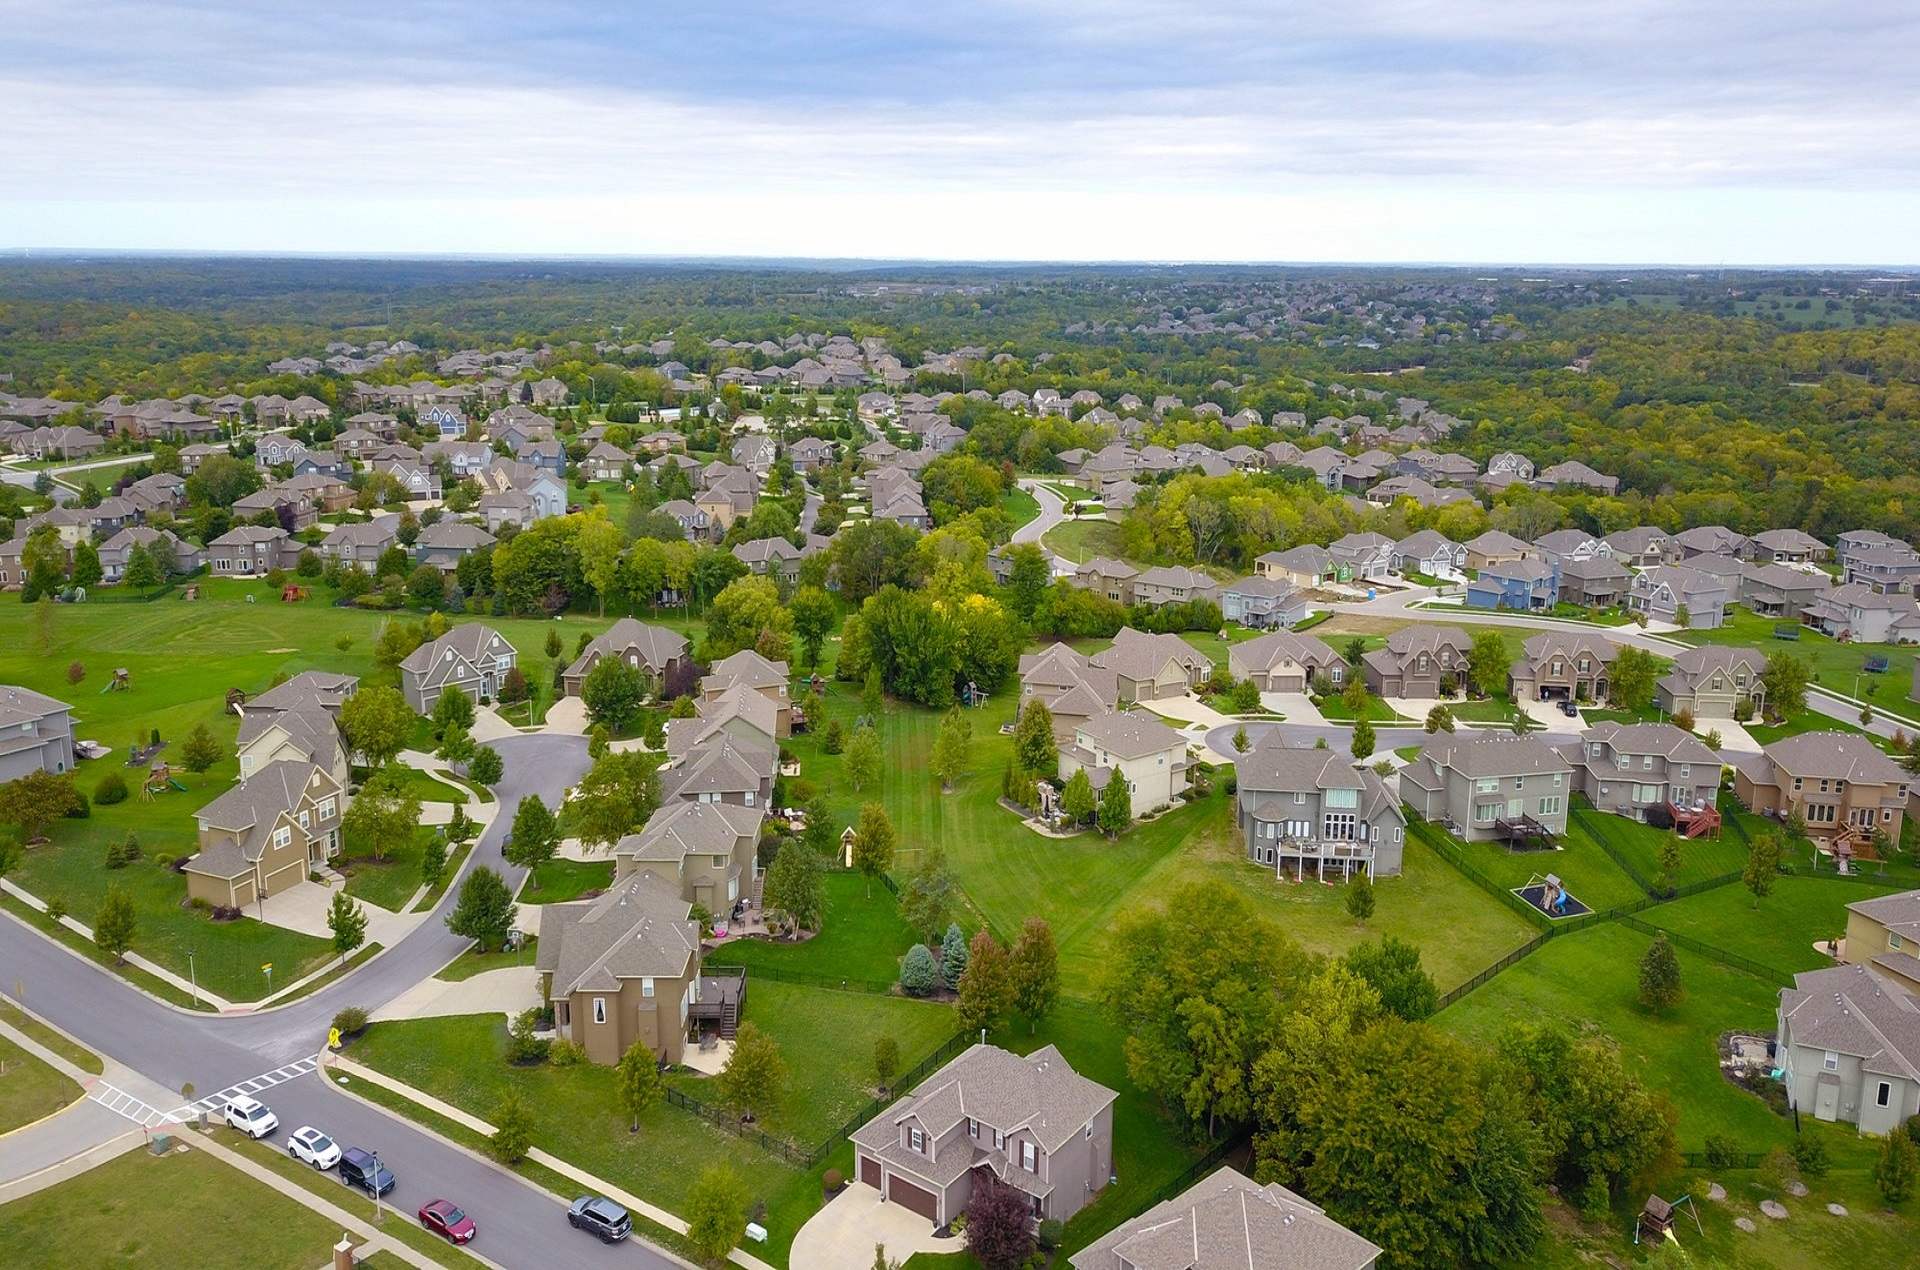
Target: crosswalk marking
(213, 1104)
(122, 1103)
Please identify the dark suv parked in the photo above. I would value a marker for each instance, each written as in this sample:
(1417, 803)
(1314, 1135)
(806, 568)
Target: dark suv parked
(600, 1216)
(359, 1168)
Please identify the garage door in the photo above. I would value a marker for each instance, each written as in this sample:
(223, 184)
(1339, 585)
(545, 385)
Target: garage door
(870, 1171)
(912, 1197)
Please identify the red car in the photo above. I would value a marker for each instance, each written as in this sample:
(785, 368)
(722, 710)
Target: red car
(443, 1217)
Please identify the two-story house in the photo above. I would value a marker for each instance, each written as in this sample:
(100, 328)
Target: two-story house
(776, 558)
(471, 658)
(1135, 746)
(1839, 783)
(1497, 547)
(1598, 581)
(1489, 787)
(1027, 1121)
(1306, 811)
(655, 651)
(1430, 552)
(1681, 596)
(1417, 661)
(1105, 576)
(266, 834)
(704, 850)
(1786, 546)
(1153, 667)
(624, 967)
(749, 670)
(1642, 547)
(251, 551)
(36, 733)
(1884, 933)
(1362, 557)
(1561, 666)
(297, 721)
(445, 543)
(1711, 680)
(1071, 686)
(1894, 567)
(1629, 769)
(1173, 584)
(1781, 590)
(1848, 1048)
(1263, 603)
(1306, 566)
(1860, 614)
(1523, 585)
(360, 544)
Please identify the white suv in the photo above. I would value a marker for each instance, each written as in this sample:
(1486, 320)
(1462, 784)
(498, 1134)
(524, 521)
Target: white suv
(310, 1146)
(251, 1118)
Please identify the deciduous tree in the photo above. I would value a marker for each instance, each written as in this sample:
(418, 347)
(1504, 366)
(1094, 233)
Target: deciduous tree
(384, 813)
(612, 692)
(1035, 970)
(1392, 968)
(484, 909)
(376, 722)
(952, 747)
(1034, 748)
(717, 1213)
(535, 834)
(637, 1079)
(36, 800)
(1116, 805)
(795, 888)
(873, 843)
(754, 1081)
(348, 922)
(113, 924)
(986, 987)
(864, 759)
(1660, 987)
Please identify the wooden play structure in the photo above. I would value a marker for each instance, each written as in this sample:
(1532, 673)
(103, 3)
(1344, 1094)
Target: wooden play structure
(191, 593)
(159, 781)
(121, 681)
(1657, 1218)
(292, 594)
(236, 698)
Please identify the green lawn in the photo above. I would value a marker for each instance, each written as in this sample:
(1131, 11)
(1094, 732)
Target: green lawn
(182, 657)
(1459, 929)
(1215, 648)
(139, 1209)
(863, 939)
(1780, 930)
(474, 962)
(557, 881)
(389, 880)
(1020, 506)
(1592, 977)
(827, 1037)
(1082, 540)
(1335, 709)
(427, 788)
(1700, 858)
(29, 1088)
(1835, 665)
(1591, 877)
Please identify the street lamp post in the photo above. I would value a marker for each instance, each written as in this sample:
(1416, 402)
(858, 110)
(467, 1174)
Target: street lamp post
(377, 1216)
(193, 976)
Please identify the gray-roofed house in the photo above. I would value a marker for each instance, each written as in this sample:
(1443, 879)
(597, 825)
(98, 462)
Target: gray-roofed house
(1486, 787)
(1306, 566)
(1574, 474)
(1642, 547)
(1150, 756)
(655, 651)
(1781, 590)
(299, 721)
(1595, 582)
(605, 462)
(1362, 557)
(1230, 1222)
(1786, 546)
(265, 834)
(1523, 585)
(472, 658)
(360, 544)
(1285, 661)
(1263, 603)
(36, 733)
(1430, 552)
(705, 851)
(748, 669)
(1106, 576)
(445, 543)
(1173, 584)
(625, 968)
(1842, 785)
(1631, 769)
(250, 551)
(1856, 612)
(1303, 810)
(1070, 685)
(771, 557)
(1153, 667)
(1561, 665)
(1029, 1121)
(1417, 662)
(1849, 1048)
(1709, 540)
(1664, 591)
(1711, 680)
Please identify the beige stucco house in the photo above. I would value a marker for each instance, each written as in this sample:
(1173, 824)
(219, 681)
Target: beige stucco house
(621, 968)
(1148, 754)
(265, 834)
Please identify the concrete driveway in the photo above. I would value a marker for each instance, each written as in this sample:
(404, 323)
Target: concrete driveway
(508, 991)
(844, 1232)
(567, 717)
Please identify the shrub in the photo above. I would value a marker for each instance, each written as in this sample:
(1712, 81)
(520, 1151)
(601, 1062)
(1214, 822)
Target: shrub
(831, 1182)
(1051, 1231)
(917, 973)
(834, 739)
(1811, 1155)
(523, 1047)
(226, 912)
(199, 905)
(1683, 719)
(564, 1053)
(1723, 1152)
(56, 909)
(350, 1021)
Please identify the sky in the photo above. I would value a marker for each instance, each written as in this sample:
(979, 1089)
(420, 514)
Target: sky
(1562, 131)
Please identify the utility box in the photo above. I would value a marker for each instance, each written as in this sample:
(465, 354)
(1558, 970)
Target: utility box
(756, 1232)
(160, 1143)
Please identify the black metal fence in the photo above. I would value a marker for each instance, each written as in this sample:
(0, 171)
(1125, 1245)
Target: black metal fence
(805, 1156)
(1199, 1170)
(717, 960)
(1712, 952)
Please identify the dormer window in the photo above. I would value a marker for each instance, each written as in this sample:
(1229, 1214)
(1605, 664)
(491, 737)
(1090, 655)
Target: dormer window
(917, 1140)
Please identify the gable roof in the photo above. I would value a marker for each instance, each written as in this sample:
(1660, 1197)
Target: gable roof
(637, 930)
(1851, 1010)
(1229, 1222)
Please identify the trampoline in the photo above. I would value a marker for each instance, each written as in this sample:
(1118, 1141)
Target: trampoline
(1551, 897)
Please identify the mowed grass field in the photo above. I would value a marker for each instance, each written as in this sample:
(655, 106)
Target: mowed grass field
(182, 657)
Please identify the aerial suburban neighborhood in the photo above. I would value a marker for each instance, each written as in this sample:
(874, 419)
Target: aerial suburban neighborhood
(685, 638)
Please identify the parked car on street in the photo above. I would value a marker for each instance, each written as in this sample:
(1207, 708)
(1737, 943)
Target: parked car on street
(360, 1168)
(600, 1216)
(251, 1117)
(310, 1146)
(444, 1218)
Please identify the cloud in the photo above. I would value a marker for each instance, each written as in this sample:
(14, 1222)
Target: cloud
(1091, 111)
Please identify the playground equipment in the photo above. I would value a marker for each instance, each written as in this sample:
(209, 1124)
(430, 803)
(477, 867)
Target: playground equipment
(121, 681)
(1554, 895)
(291, 594)
(1657, 1216)
(159, 781)
(236, 698)
(191, 593)
(1549, 894)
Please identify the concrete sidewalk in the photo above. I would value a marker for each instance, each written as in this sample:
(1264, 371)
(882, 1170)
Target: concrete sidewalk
(507, 991)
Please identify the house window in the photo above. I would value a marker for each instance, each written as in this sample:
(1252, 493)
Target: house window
(1883, 1094)
(1029, 1157)
(599, 1009)
(917, 1140)
(999, 1140)
(1486, 813)
(646, 987)
(282, 836)
(326, 809)
(749, 797)
(1550, 806)
(1519, 783)
(973, 1127)
(1299, 798)
(1893, 940)
(1830, 1061)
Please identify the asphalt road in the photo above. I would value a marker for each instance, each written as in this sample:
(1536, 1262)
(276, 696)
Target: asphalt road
(520, 1225)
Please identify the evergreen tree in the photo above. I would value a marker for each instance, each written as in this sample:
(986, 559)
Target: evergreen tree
(1077, 798)
(1360, 897)
(953, 955)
